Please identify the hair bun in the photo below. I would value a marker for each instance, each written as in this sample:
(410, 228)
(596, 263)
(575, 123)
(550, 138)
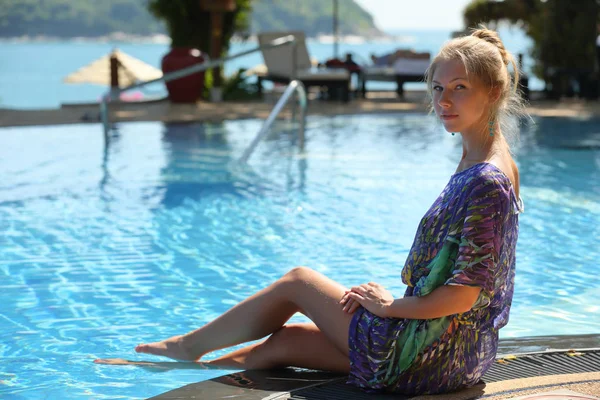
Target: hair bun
(492, 37)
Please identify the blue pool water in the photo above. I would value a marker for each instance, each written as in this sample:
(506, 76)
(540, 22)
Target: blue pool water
(163, 231)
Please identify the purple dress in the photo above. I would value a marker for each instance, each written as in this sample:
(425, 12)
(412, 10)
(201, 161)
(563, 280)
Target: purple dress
(467, 237)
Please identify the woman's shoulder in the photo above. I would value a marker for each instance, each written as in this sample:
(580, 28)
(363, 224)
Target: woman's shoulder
(484, 178)
(483, 172)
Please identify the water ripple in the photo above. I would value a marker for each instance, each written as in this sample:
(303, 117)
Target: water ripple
(163, 231)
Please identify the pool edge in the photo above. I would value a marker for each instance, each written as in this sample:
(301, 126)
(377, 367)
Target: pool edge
(282, 384)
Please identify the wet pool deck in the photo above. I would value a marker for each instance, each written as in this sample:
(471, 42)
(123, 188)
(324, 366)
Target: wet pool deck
(162, 110)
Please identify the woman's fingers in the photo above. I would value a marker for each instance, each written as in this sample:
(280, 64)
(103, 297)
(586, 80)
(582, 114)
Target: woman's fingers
(362, 289)
(345, 298)
(359, 289)
(354, 307)
(366, 295)
(351, 306)
(356, 297)
(348, 304)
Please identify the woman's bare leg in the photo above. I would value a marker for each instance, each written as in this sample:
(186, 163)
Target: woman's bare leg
(300, 290)
(294, 345)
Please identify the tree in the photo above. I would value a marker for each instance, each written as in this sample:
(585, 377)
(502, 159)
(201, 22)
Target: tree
(564, 36)
(189, 26)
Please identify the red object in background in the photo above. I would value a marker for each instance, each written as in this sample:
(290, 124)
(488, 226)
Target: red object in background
(190, 88)
(337, 63)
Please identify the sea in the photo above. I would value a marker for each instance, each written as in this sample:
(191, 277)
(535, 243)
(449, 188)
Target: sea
(32, 71)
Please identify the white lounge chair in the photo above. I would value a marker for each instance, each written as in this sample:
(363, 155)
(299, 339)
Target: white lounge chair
(400, 69)
(280, 68)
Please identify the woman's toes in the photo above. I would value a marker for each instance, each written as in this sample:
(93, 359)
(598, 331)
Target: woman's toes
(141, 348)
(172, 348)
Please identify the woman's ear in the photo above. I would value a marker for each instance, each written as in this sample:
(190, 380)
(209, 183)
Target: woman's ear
(495, 94)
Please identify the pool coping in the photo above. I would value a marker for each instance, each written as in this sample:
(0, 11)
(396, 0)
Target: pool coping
(282, 384)
(202, 111)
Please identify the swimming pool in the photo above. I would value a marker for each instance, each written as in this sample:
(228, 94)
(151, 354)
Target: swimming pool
(103, 248)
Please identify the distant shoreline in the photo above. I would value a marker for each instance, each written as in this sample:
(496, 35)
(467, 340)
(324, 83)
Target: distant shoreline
(113, 37)
(165, 39)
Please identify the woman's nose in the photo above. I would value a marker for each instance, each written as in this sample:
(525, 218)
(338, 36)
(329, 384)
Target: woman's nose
(444, 100)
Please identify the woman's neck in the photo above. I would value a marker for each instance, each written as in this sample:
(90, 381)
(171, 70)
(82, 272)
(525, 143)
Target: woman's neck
(476, 149)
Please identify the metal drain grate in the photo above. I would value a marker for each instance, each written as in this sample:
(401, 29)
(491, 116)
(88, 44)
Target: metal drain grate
(509, 367)
(543, 364)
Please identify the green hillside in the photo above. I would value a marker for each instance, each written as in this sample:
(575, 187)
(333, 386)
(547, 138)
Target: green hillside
(311, 16)
(92, 18)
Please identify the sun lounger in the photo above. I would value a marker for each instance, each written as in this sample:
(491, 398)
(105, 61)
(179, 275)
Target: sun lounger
(280, 68)
(400, 67)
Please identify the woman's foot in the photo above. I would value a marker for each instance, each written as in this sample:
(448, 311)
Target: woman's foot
(154, 366)
(121, 361)
(173, 348)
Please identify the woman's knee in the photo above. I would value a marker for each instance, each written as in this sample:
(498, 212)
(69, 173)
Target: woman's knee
(299, 274)
(283, 335)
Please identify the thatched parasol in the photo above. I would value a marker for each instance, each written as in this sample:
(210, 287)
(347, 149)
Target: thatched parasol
(116, 69)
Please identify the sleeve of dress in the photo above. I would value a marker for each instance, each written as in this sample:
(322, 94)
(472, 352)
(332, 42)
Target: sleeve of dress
(480, 240)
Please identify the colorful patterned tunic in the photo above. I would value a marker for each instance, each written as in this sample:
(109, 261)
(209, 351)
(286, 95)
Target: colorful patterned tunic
(468, 237)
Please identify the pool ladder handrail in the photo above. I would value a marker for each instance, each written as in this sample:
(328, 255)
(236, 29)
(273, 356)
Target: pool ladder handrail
(296, 87)
(114, 93)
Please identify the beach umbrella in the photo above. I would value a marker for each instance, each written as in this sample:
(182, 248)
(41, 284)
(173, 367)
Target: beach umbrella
(116, 69)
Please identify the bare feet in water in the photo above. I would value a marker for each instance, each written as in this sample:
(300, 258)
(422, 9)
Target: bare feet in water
(173, 348)
(121, 361)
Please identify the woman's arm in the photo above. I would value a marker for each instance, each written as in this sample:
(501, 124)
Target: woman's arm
(442, 301)
(474, 271)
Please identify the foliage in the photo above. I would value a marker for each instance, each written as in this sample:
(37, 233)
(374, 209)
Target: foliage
(189, 26)
(563, 33)
(92, 18)
(237, 87)
(186, 24)
(311, 16)
(237, 22)
(67, 18)
(516, 11)
(234, 87)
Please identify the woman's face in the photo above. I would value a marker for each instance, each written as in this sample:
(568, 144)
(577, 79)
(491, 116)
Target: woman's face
(462, 104)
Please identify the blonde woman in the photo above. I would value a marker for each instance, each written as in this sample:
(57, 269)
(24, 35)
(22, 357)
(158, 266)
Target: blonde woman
(442, 335)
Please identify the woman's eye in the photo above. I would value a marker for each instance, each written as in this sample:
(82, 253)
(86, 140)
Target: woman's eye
(437, 88)
(460, 86)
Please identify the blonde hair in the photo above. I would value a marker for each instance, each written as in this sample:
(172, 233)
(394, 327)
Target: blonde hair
(485, 57)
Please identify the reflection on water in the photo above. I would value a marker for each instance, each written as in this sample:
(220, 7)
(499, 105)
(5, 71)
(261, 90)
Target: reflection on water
(198, 157)
(563, 133)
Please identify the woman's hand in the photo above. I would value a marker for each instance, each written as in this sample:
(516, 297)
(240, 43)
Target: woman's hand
(371, 296)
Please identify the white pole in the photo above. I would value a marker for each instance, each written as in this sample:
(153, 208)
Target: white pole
(335, 28)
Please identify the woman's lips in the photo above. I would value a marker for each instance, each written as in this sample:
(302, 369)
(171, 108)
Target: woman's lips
(449, 117)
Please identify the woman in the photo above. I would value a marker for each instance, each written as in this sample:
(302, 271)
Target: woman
(443, 334)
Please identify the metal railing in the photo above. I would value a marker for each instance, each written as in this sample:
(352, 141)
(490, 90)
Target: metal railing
(115, 93)
(294, 87)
